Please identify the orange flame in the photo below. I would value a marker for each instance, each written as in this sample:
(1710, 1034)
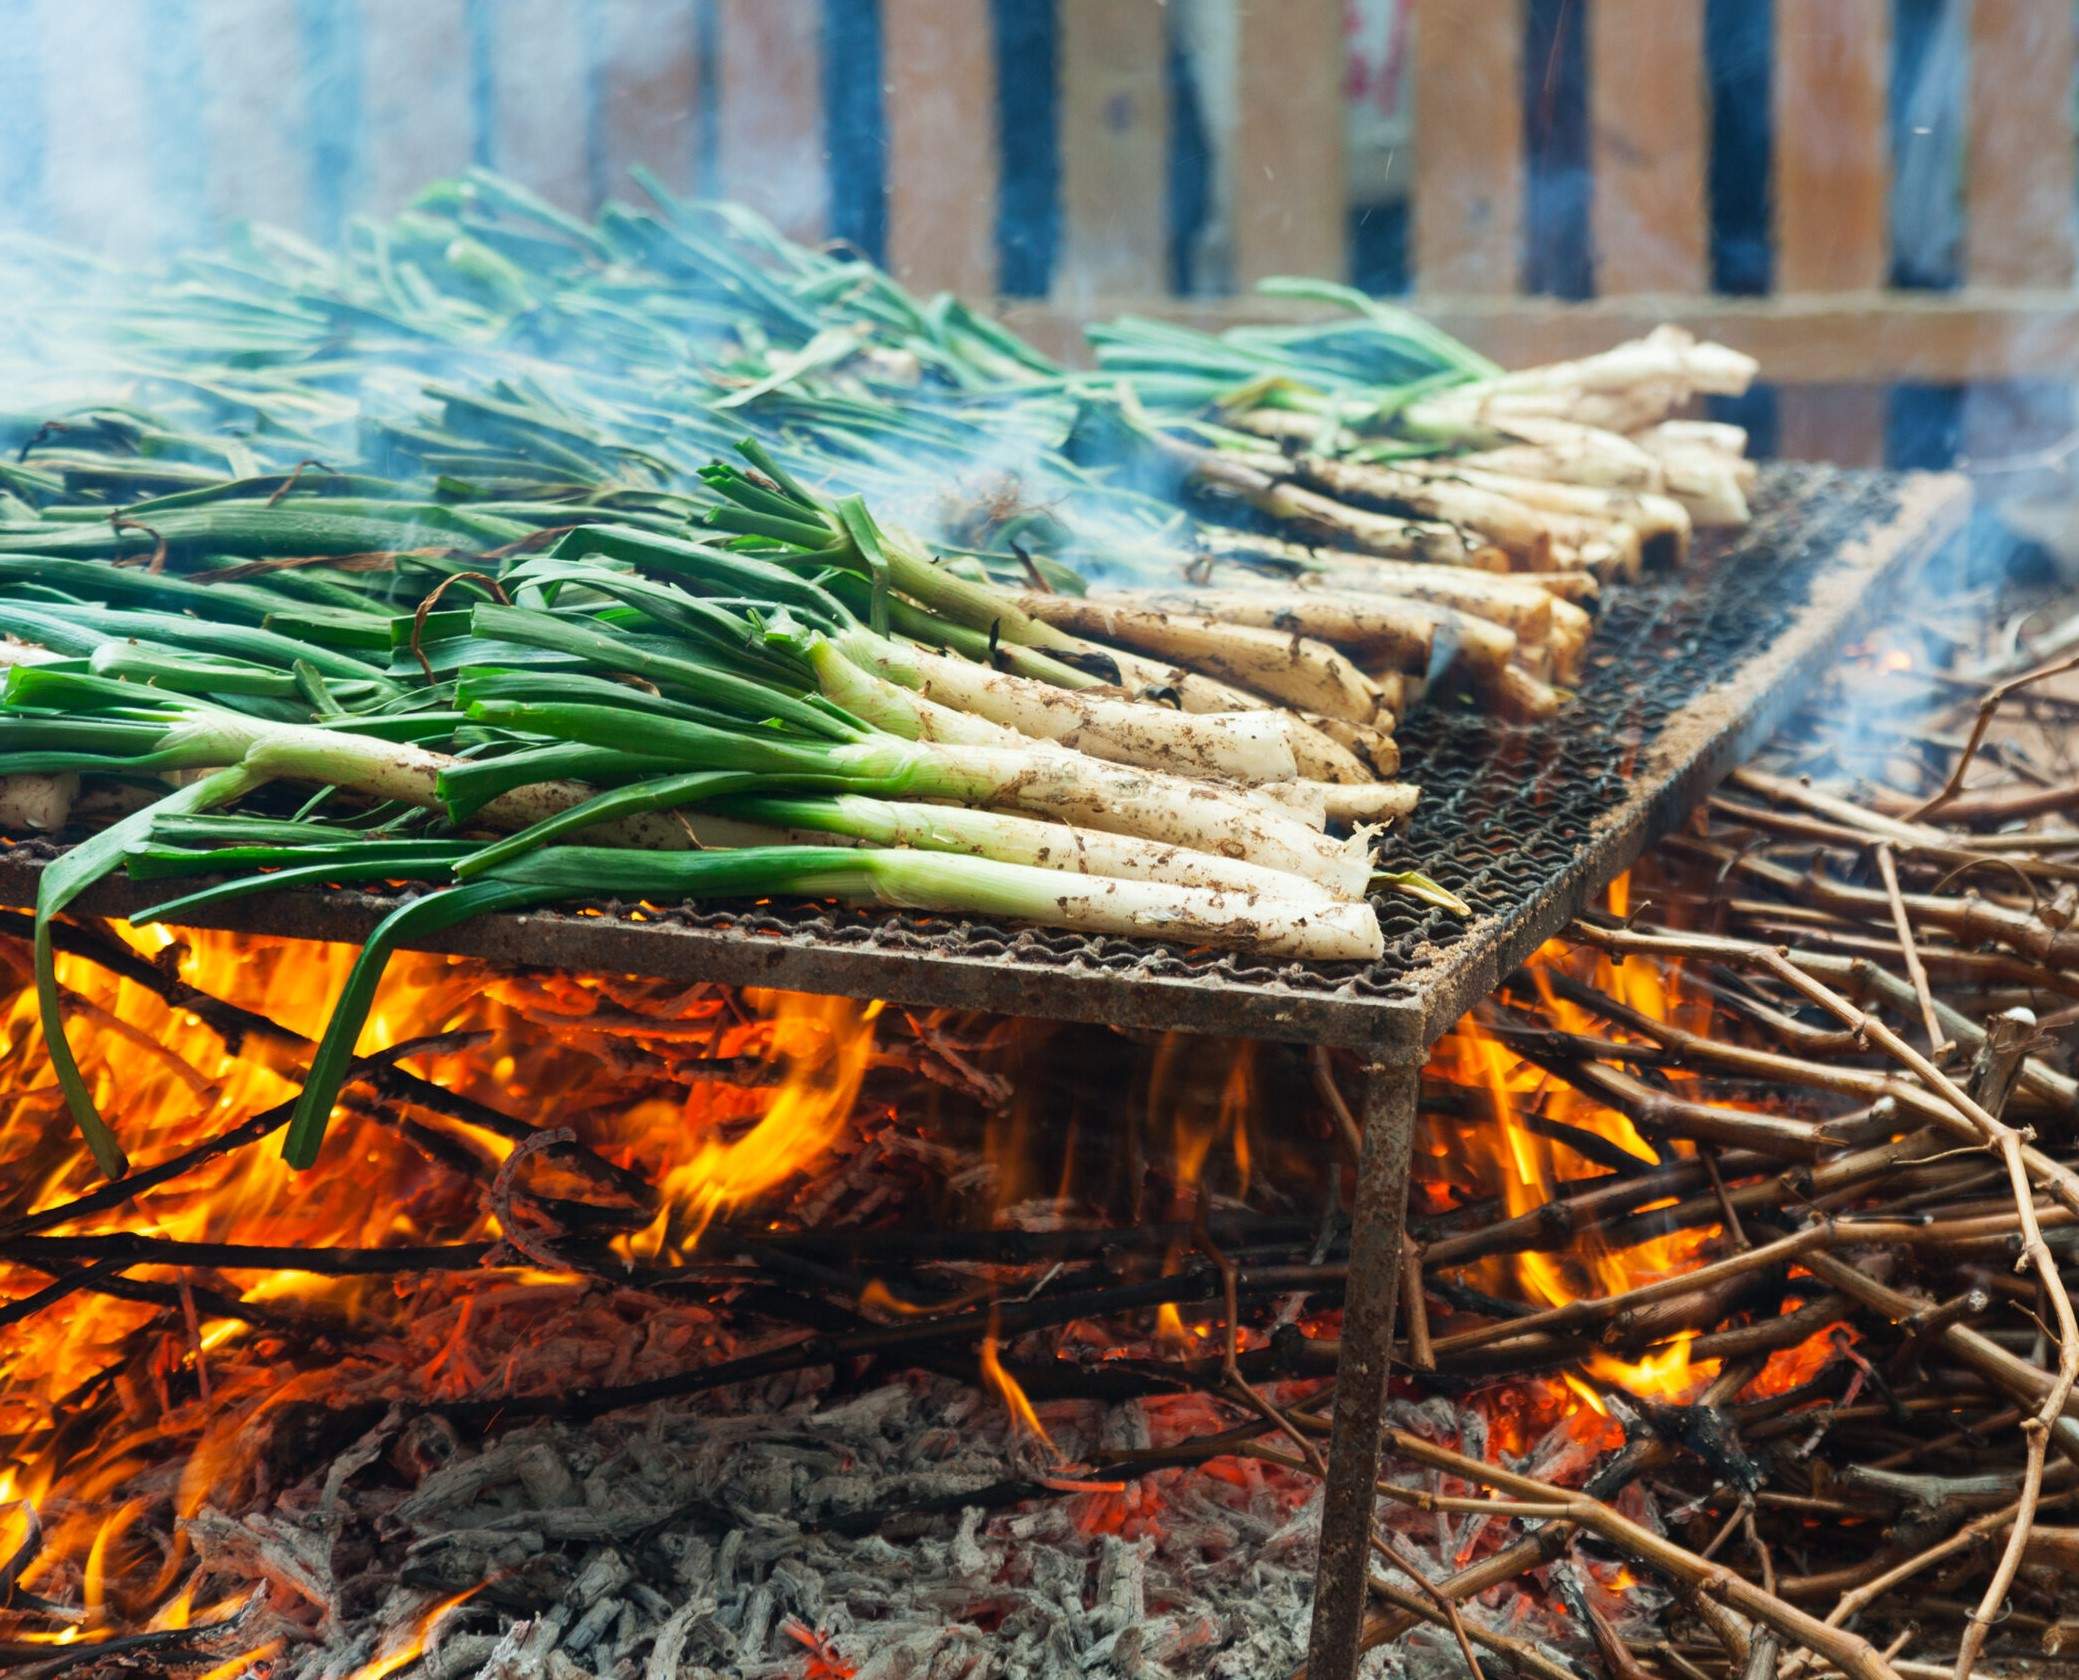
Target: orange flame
(413, 1645)
(593, 1052)
(1005, 1387)
(826, 1043)
(1525, 1169)
(243, 1663)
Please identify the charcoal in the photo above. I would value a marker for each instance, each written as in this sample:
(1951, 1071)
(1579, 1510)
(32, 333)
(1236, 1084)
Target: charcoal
(604, 1572)
(464, 1654)
(463, 1480)
(546, 1477)
(258, 1548)
(591, 1625)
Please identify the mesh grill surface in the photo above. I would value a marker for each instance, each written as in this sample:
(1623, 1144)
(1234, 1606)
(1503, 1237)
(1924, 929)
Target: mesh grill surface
(1506, 808)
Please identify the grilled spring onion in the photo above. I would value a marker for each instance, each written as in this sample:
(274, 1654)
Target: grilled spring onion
(1245, 746)
(1249, 747)
(762, 812)
(153, 731)
(1044, 782)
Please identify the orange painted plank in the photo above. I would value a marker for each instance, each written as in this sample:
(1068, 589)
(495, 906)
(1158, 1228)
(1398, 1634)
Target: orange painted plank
(416, 120)
(649, 91)
(541, 98)
(1844, 424)
(1649, 144)
(771, 150)
(97, 126)
(939, 64)
(2019, 191)
(1832, 144)
(1288, 172)
(1469, 175)
(259, 164)
(1114, 128)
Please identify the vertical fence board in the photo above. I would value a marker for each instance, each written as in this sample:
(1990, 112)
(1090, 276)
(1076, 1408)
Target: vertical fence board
(2018, 206)
(1844, 424)
(416, 119)
(257, 158)
(649, 92)
(1649, 145)
(541, 98)
(1832, 179)
(1114, 127)
(942, 144)
(1288, 173)
(97, 126)
(1832, 144)
(771, 151)
(1468, 209)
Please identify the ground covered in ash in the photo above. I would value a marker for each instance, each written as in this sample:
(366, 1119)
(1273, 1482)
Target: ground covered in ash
(811, 1539)
(867, 1537)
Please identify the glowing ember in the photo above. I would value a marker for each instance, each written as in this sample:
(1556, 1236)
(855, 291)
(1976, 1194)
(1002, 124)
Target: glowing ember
(823, 1664)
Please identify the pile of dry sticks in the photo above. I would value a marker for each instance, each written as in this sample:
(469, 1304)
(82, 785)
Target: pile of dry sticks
(1874, 1141)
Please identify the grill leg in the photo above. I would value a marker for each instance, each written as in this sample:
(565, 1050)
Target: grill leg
(1380, 1218)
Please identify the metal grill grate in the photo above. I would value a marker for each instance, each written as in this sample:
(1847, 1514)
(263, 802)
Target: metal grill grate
(1686, 671)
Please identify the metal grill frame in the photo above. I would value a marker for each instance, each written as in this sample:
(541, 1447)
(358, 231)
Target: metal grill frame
(1810, 566)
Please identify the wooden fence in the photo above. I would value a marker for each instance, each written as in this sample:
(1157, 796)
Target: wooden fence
(137, 120)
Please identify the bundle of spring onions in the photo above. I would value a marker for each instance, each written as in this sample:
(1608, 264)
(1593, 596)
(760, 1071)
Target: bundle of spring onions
(533, 561)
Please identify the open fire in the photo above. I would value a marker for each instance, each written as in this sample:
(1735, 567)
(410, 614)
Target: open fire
(563, 1200)
(1536, 1134)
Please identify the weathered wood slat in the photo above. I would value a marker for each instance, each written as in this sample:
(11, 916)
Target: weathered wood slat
(649, 91)
(1844, 424)
(1832, 144)
(1469, 175)
(1289, 181)
(416, 120)
(1649, 145)
(943, 153)
(1114, 127)
(771, 151)
(2018, 205)
(541, 98)
(259, 163)
(1833, 181)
